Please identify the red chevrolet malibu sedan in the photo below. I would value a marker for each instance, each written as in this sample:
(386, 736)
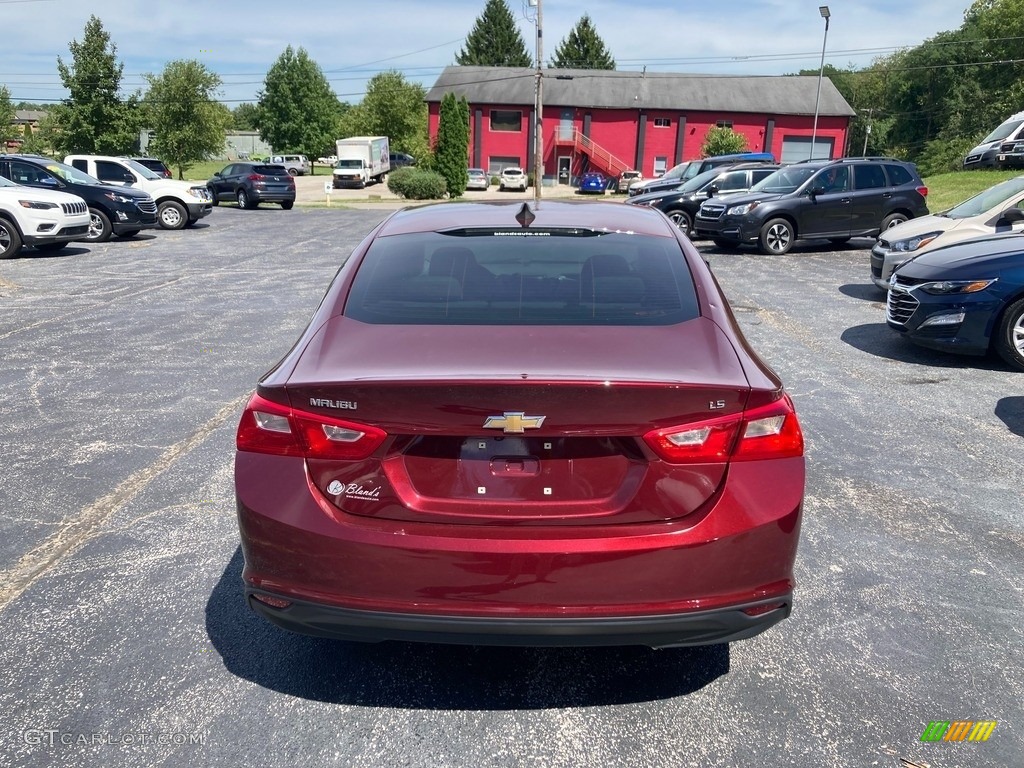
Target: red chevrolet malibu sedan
(521, 425)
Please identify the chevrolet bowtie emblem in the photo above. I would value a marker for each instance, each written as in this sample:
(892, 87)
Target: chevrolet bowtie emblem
(514, 422)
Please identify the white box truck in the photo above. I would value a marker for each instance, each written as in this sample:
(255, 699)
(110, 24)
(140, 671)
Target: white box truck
(361, 160)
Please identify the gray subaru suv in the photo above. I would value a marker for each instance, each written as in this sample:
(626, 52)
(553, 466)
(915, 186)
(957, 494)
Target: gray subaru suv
(829, 199)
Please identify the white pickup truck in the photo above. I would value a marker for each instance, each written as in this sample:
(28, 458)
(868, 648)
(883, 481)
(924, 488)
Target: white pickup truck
(178, 203)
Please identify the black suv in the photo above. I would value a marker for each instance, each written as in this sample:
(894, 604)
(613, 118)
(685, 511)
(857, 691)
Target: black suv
(112, 210)
(681, 204)
(831, 199)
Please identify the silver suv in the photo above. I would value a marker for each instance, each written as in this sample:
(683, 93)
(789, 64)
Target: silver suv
(297, 165)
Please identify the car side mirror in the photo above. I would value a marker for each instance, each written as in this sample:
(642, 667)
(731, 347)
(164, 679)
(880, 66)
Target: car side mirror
(49, 181)
(216, 174)
(1010, 215)
(128, 179)
(712, 190)
(815, 191)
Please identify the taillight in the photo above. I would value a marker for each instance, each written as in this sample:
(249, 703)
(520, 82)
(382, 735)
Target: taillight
(254, 177)
(267, 427)
(769, 432)
(923, 191)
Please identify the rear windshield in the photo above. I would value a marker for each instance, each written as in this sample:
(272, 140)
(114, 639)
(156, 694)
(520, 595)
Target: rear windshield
(270, 170)
(551, 277)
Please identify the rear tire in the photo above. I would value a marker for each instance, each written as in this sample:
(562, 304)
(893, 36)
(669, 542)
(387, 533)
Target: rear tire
(10, 240)
(244, 202)
(1009, 341)
(777, 237)
(99, 227)
(287, 204)
(892, 220)
(172, 215)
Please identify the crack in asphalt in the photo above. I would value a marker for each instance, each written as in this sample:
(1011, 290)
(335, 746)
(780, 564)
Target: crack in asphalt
(74, 533)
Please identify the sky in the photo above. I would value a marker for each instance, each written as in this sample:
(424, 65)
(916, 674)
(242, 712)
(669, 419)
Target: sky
(352, 40)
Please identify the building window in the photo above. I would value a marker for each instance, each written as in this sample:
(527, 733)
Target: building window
(497, 164)
(723, 124)
(660, 166)
(662, 122)
(506, 120)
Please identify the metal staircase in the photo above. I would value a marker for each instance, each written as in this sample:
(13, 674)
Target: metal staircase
(600, 158)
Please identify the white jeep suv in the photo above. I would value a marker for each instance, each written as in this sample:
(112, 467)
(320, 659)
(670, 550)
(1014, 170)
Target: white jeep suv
(43, 218)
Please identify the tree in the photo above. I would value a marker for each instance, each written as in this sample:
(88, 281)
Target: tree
(722, 141)
(244, 117)
(297, 110)
(7, 129)
(583, 48)
(188, 120)
(495, 40)
(451, 153)
(94, 119)
(391, 107)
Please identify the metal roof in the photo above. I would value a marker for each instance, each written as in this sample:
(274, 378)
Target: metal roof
(607, 89)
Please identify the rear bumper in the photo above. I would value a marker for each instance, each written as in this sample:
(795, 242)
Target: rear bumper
(677, 582)
(272, 196)
(697, 628)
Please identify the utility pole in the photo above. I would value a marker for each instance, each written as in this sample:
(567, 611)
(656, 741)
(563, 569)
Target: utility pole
(538, 127)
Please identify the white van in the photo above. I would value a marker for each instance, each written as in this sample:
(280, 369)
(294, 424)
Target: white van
(984, 155)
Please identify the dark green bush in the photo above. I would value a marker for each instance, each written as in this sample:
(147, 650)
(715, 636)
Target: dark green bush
(399, 177)
(415, 184)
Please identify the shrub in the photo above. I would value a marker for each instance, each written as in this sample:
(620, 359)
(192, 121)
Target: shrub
(722, 141)
(416, 184)
(398, 178)
(942, 155)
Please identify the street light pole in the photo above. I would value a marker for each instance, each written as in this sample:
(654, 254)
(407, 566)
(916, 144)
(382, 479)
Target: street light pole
(823, 10)
(538, 126)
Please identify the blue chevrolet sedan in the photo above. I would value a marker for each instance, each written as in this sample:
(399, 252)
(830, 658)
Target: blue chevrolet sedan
(966, 298)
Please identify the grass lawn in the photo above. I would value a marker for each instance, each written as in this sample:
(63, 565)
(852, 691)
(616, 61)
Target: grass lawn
(203, 171)
(948, 189)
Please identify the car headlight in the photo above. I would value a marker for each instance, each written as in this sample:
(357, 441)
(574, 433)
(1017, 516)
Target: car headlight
(38, 205)
(123, 199)
(742, 210)
(946, 287)
(913, 243)
(200, 193)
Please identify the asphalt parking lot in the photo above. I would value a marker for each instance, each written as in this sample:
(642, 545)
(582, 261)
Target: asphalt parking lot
(127, 642)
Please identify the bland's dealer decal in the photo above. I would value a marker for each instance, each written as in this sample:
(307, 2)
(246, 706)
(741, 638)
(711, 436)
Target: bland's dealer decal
(353, 491)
